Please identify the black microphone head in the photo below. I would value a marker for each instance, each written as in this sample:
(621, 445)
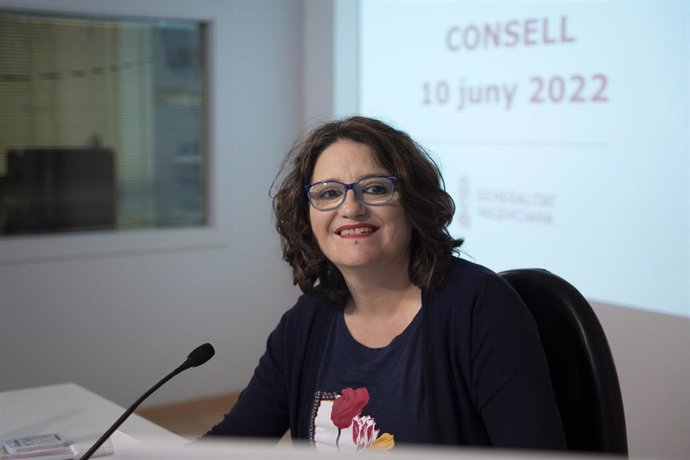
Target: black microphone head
(200, 355)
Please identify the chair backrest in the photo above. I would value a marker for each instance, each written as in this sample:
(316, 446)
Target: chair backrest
(582, 370)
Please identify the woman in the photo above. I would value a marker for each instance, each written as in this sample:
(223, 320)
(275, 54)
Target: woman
(395, 340)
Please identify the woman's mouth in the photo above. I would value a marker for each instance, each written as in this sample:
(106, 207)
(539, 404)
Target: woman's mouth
(356, 231)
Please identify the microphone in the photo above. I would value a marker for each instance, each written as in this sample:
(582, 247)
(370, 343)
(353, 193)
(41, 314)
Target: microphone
(196, 358)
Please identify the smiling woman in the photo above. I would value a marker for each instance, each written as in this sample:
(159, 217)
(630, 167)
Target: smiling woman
(388, 152)
(395, 340)
(356, 235)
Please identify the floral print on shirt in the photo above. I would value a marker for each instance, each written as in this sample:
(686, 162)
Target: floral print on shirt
(337, 423)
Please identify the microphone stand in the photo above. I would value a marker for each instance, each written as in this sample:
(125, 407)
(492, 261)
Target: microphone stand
(186, 365)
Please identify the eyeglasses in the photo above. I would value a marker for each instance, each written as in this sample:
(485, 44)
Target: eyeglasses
(372, 191)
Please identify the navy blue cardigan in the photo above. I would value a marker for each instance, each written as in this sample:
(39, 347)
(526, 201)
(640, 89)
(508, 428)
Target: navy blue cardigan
(486, 381)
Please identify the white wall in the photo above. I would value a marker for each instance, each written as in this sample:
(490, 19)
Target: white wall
(116, 312)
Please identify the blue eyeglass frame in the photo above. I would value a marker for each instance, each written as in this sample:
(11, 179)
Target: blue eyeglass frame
(351, 186)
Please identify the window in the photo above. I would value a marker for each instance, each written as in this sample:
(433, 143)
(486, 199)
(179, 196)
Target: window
(104, 124)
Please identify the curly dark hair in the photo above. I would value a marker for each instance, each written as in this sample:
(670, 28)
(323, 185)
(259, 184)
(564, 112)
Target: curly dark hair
(428, 206)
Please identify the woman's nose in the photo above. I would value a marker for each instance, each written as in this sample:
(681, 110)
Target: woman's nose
(351, 207)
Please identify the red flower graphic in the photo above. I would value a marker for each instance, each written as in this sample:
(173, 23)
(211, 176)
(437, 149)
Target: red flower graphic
(348, 405)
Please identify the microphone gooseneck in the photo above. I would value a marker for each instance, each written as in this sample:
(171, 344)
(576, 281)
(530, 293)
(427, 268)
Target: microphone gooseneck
(196, 358)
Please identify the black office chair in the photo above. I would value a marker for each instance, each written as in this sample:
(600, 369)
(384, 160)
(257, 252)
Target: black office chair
(580, 362)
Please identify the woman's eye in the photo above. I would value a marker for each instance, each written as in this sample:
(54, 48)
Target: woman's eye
(330, 194)
(376, 189)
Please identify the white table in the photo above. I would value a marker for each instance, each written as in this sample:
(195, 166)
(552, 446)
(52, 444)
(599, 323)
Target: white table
(72, 411)
(83, 416)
